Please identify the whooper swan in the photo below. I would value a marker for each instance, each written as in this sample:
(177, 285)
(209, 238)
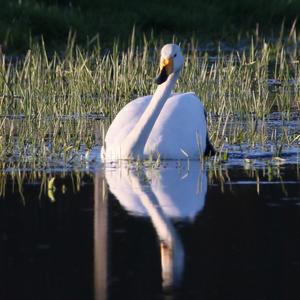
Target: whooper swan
(172, 126)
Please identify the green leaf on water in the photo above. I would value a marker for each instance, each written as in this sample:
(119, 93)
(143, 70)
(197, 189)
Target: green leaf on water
(51, 189)
(51, 184)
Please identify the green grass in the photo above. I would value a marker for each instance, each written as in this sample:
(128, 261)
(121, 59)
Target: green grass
(48, 103)
(23, 21)
(82, 82)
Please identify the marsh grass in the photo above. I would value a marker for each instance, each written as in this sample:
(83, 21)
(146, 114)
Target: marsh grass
(52, 105)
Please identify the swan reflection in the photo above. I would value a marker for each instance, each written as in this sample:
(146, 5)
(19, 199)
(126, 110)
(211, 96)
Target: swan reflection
(170, 193)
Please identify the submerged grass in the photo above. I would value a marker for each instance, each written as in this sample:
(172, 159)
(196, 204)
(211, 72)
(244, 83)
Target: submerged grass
(48, 104)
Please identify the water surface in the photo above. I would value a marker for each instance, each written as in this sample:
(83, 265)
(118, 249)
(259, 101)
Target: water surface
(182, 231)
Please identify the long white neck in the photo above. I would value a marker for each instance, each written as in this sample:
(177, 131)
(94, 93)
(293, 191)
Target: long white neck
(133, 146)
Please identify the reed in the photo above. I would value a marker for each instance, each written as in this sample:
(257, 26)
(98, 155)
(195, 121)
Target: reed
(52, 105)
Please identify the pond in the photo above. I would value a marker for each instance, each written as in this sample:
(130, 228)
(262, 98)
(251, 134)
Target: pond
(181, 230)
(72, 227)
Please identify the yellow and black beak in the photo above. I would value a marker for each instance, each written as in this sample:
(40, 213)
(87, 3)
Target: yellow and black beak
(165, 69)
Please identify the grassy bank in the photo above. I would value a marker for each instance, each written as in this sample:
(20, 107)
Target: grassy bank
(22, 21)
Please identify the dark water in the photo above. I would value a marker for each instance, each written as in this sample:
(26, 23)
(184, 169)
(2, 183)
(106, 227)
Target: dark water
(223, 234)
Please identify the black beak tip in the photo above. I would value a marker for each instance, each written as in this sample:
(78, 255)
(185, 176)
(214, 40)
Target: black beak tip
(162, 76)
(158, 80)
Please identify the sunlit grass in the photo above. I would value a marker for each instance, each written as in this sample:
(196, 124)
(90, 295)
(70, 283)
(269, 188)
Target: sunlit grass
(49, 103)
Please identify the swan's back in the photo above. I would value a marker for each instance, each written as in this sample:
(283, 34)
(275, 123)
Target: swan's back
(123, 123)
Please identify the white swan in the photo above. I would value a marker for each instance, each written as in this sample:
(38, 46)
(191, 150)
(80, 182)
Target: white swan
(172, 126)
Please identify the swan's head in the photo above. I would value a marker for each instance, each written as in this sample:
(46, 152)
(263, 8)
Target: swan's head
(171, 61)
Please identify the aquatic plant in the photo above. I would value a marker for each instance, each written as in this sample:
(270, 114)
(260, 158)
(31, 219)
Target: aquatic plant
(53, 107)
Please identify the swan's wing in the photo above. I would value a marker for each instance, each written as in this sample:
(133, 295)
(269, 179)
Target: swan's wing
(180, 128)
(124, 123)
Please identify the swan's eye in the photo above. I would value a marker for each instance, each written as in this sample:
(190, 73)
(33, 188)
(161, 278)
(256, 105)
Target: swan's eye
(175, 55)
